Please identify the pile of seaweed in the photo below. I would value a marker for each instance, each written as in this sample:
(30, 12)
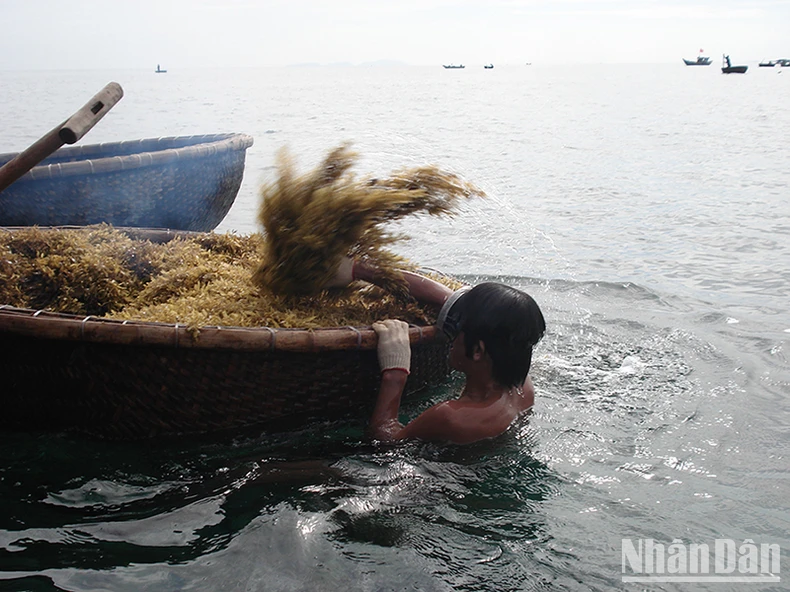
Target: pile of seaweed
(259, 280)
(200, 280)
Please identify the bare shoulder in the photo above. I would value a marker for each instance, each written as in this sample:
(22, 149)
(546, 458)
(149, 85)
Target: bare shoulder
(435, 423)
(527, 395)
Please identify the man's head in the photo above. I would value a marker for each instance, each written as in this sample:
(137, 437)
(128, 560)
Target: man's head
(507, 321)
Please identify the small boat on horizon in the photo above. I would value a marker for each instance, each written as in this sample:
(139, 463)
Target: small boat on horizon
(453, 66)
(768, 64)
(159, 70)
(728, 68)
(488, 66)
(700, 61)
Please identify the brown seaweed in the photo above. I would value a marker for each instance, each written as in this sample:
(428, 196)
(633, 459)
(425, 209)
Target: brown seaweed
(313, 220)
(310, 221)
(205, 280)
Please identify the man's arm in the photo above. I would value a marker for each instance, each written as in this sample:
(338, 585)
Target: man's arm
(431, 424)
(421, 288)
(394, 353)
(384, 424)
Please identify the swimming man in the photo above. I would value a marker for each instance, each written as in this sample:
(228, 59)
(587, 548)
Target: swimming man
(493, 329)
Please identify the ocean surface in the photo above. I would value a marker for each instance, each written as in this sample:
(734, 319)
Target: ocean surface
(646, 208)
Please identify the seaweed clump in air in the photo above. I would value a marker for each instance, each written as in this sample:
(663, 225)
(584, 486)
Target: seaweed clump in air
(312, 221)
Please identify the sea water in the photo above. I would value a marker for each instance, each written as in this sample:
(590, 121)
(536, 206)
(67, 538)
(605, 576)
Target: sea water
(647, 210)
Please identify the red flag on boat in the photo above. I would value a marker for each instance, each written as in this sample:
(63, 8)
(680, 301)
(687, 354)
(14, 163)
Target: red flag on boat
(701, 50)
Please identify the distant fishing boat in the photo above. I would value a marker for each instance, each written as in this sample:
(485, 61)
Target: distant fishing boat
(453, 66)
(159, 70)
(488, 66)
(700, 61)
(728, 68)
(768, 64)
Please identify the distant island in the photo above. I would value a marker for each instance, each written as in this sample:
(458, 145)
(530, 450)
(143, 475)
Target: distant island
(374, 64)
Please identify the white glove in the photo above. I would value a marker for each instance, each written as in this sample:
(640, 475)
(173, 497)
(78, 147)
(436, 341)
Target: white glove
(344, 274)
(393, 349)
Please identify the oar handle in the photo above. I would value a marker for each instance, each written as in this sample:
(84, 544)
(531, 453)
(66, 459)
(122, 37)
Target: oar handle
(66, 133)
(83, 120)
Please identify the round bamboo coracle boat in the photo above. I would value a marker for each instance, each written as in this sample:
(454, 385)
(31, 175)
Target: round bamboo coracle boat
(130, 379)
(185, 182)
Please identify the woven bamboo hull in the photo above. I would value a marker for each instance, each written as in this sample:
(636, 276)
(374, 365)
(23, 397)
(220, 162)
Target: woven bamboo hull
(140, 380)
(183, 183)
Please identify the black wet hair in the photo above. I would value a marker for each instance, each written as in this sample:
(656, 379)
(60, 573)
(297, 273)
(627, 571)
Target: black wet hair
(508, 321)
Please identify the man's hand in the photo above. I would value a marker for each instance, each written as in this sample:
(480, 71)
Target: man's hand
(344, 274)
(394, 350)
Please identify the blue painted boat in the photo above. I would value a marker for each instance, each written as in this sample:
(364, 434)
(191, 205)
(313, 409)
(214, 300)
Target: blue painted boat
(183, 183)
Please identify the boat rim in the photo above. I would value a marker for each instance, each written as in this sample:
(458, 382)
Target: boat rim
(152, 152)
(69, 327)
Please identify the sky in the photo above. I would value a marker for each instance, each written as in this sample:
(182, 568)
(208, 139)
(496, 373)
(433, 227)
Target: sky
(90, 34)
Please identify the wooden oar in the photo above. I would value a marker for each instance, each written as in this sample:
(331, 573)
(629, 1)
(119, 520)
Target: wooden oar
(68, 132)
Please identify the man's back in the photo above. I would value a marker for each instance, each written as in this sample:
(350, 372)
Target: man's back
(469, 419)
